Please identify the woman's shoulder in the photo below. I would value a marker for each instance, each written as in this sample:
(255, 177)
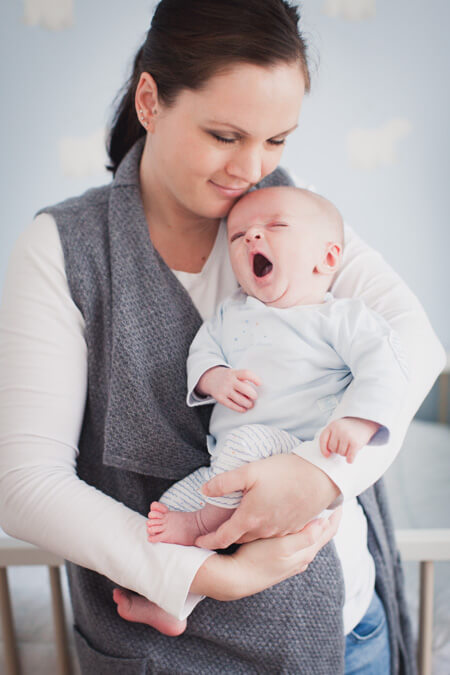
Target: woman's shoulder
(94, 200)
(278, 177)
(40, 241)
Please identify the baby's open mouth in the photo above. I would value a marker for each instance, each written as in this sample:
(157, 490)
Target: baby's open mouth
(261, 265)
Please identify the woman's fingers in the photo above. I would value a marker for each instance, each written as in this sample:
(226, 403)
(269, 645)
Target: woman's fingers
(313, 537)
(265, 562)
(227, 482)
(228, 533)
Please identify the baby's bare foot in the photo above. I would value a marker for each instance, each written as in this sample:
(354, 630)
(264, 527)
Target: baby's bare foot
(135, 608)
(172, 527)
(179, 527)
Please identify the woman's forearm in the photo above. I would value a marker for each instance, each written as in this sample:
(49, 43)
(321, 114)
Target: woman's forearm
(366, 275)
(43, 380)
(263, 563)
(45, 503)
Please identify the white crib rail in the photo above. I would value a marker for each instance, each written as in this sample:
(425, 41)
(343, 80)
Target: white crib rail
(423, 546)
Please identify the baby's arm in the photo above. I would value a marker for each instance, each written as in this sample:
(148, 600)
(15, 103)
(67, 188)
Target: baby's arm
(346, 436)
(211, 377)
(229, 387)
(370, 406)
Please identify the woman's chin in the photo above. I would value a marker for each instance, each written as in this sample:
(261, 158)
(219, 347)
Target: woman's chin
(218, 210)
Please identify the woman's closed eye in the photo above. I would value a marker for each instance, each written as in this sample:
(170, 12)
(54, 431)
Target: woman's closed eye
(223, 139)
(235, 139)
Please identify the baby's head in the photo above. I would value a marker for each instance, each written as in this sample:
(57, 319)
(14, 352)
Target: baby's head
(285, 245)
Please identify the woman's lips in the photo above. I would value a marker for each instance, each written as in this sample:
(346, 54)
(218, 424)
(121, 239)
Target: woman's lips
(229, 191)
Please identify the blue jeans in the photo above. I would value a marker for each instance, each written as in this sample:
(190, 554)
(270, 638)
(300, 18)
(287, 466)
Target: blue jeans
(367, 649)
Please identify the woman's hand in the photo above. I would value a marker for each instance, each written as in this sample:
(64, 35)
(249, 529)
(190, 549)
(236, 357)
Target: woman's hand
(263, 563)
(281, 494)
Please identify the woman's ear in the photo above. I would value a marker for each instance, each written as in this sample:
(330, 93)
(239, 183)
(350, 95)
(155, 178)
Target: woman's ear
(146, 101)
(331, 259)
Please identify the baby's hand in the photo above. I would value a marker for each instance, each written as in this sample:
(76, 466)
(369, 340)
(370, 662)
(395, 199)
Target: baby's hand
(230, 387)
(347, 436)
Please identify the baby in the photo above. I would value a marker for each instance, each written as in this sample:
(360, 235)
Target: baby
(277, 358)
(282, 351)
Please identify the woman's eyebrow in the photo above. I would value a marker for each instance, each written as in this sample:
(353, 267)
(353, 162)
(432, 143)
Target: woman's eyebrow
(245, 133)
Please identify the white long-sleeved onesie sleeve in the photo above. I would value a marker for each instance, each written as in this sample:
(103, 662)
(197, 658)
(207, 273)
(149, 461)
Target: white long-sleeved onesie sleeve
(43, 381)
(372, 350)
(205, 353)
(366, 275)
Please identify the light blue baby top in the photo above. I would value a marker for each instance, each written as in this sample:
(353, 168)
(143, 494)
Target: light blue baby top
(307, 357)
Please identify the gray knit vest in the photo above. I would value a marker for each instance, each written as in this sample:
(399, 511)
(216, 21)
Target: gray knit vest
(138, 437)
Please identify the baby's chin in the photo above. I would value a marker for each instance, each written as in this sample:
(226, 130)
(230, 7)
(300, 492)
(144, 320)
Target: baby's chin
(269, 298)
(270, 295)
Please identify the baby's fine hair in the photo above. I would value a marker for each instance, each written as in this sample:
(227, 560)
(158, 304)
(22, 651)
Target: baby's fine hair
(329, 216)
(322, 212)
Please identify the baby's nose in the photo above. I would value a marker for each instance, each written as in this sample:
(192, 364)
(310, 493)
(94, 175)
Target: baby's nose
(253, 235)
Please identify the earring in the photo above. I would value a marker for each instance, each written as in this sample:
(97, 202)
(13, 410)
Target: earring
(142, 118)
(154, 112)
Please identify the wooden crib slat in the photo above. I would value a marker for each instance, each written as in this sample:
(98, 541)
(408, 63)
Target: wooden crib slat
(425, 644)
(12, 664)
(443, 397)
(59, 621)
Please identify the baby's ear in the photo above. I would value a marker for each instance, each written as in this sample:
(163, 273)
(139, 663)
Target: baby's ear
(331, 259)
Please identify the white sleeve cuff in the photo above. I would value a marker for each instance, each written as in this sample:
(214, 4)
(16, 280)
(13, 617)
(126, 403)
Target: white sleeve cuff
(180, 602)
(352, 479)
(192, 399)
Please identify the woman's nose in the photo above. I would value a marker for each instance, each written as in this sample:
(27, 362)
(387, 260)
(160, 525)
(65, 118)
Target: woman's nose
(247, 166)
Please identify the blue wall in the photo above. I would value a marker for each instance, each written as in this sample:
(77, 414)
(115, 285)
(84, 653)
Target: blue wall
(60, 83)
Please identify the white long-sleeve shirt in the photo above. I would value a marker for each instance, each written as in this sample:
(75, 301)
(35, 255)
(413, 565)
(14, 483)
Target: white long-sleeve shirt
(43, 382)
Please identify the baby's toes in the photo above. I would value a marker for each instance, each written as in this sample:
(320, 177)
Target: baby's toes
(154, 532)
(158, 507)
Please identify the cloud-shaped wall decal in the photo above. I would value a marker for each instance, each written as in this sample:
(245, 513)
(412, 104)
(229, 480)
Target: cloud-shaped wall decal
(51, 14)
(370, 148)
(352, 10)
(83, 155)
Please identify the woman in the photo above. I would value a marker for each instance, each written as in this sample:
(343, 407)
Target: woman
(104, 295)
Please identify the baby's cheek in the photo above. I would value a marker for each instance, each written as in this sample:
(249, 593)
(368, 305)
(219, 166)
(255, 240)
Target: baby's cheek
(240, 268)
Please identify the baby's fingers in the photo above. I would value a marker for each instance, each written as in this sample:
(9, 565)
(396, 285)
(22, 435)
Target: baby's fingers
(342, 447)
(248, 375)
(229, 403)
(246, 389)
(240, 400)
(351, 453)
(323, 440)
(333, 442)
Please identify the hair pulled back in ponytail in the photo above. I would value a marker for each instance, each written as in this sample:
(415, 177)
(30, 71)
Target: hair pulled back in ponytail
(189, 41)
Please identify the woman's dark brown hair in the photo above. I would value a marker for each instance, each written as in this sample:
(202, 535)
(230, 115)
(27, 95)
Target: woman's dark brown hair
(189, 41)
